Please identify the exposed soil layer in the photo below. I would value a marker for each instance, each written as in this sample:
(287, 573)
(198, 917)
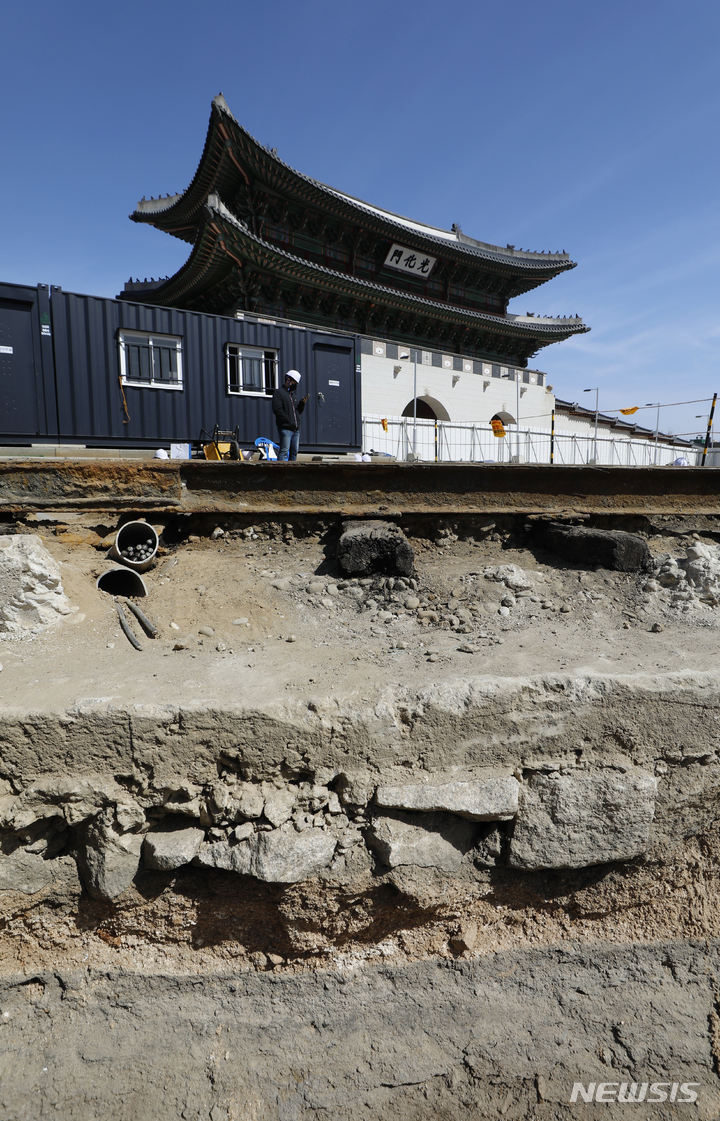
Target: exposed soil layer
(367, 990)
(505, 1036)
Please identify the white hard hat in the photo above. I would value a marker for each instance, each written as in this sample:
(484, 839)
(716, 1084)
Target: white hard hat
(294, 375)
(161, 454)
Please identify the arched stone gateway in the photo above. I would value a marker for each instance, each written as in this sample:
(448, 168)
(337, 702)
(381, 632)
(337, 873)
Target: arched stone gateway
(428, 408)
(505, 417)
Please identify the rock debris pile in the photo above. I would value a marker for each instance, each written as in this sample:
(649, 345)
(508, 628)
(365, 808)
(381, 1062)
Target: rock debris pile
(690, 582)
(388, 600)
(31, 591)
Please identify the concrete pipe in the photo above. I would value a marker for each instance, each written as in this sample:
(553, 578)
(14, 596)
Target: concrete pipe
(136, 545)
(122, 582)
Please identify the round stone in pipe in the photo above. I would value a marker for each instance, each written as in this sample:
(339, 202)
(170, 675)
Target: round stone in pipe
(136, 545)
(494, 798)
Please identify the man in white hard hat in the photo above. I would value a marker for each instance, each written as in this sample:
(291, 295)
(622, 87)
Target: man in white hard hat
(287, 416)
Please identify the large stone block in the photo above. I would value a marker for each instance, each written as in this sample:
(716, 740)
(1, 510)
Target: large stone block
(591, 817)
(281, 857)
(494, 798)
(108, 862)
(22, 871)
(166, 849)
(279, 805)
(231, 858)
(374, 546)
(278, 856)
(608, 548)
(434, 840)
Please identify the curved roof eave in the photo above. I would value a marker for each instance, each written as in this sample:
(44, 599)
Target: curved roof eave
(280, 261)
(179, 208)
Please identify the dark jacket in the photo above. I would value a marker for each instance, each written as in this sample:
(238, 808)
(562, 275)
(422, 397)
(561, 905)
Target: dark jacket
(287, 410)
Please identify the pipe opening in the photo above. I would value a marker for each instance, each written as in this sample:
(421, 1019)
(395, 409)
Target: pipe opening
(136, 544)
(122, 582)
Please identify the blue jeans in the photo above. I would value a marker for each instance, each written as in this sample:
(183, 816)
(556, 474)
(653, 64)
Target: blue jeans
(289, 441)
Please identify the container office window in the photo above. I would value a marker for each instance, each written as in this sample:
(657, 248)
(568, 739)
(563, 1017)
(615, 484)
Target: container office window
(153, 360)
(250, 370)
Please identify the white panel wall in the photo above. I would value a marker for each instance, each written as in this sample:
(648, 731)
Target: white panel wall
(464, 396)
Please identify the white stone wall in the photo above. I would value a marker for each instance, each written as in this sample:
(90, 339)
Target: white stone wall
(584, 425)
(461, 395)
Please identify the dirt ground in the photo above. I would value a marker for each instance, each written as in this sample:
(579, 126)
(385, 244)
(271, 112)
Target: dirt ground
(314, 645)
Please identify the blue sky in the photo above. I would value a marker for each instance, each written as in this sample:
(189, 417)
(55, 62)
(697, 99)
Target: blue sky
(577, 126)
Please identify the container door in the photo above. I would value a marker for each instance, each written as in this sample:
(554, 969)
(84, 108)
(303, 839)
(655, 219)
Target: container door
(18, 389)
(335, 394)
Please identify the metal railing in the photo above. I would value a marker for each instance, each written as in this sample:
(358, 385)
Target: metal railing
(444, 441)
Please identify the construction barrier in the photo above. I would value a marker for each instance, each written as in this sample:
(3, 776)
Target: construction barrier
(444, 441)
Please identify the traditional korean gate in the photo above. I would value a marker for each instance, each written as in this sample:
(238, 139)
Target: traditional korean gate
(334, 394)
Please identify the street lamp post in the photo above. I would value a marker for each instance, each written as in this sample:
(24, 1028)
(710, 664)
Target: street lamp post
(404, 355)
(655, 405)
(596, 391)
(414, 405)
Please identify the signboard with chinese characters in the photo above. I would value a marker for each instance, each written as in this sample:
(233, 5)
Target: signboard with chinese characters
(407, 260)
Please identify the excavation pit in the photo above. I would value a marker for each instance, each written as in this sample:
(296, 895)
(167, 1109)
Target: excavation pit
(228, 846)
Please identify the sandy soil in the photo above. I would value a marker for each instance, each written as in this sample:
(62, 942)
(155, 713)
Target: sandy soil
(338, 646)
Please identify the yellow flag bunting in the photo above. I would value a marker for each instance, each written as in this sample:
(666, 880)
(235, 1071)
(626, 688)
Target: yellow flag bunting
(629, 412)
(497, 427)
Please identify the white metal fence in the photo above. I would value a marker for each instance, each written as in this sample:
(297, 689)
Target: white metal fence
(444, 441)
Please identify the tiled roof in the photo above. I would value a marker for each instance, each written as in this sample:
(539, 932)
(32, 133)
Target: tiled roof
(164, 212)
(279, 260)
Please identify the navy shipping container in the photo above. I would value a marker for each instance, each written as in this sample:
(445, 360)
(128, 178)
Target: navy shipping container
(114, 373)
(27, 374)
